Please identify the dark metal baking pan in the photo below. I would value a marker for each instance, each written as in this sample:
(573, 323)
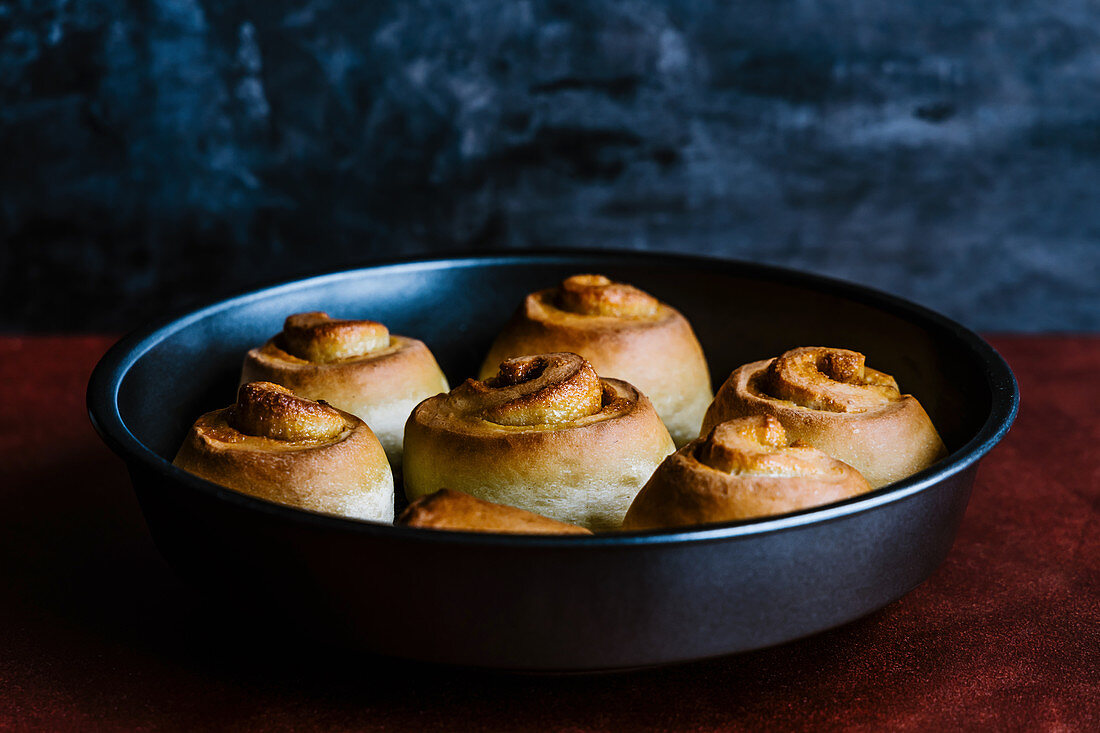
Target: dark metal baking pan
(555, 603)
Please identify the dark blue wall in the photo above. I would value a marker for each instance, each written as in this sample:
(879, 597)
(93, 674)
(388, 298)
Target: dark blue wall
(158, 152)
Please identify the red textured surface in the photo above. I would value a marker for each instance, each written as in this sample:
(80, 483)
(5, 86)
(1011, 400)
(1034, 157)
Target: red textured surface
(95, 631)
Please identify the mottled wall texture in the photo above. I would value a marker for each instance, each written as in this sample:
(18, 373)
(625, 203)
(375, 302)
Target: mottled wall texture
(161, 152)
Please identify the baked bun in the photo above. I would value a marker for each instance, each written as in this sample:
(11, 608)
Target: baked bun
(831, 400)
(357, 366)
(276, 446)
(744, 468)
(446, 509)
(626, 334)
(546, 434)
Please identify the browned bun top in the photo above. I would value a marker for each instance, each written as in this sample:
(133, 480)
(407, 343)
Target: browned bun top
(270, 416)
(539, 392)
(759, 445)
(535, 390)
(281, 447)
(748, 445)
(743, 468)
(272, 411)
(596, 303)
(317, 338)
(447, 509)
(833, 380)
(596, 295)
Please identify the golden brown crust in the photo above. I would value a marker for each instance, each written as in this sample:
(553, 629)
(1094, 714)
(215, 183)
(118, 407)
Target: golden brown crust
(275, 446)
(829, 399)
(357, 366)
(596, 295)
(318, 338)
(831, 380)
(538, 390)
(743, 469)
(446, 509)
(578, 466)
(273, 411)
(625, 333)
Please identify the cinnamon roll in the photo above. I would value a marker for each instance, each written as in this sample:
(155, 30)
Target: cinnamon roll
(626, 334)
(446, 509)
(744, 468)
(830, 399)
(277, 446)
(546, 434)
(357, 366)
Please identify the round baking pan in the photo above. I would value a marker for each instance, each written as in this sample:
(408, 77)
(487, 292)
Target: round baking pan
(554, 603)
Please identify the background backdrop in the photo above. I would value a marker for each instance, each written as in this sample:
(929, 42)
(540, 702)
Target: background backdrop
(159, 153)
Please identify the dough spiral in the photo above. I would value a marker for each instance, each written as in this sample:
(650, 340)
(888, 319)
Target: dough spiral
(742, 469)
(545, 434)
(277, 446)
(830, 399)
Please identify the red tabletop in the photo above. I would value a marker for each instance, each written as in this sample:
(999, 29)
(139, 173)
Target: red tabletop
(96, 631)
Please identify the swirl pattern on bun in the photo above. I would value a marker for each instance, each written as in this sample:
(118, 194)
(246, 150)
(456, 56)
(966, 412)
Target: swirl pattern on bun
(277, 446)
(626, 334)
(830, 399)
(545, 434)
(357, 366)
(453, 510)
(743, 469)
